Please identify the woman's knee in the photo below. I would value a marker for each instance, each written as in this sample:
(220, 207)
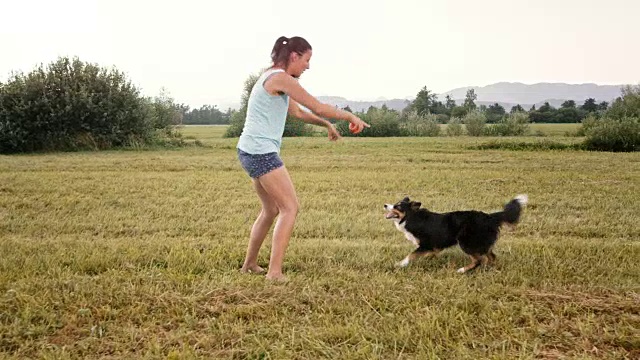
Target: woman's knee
(270, 212)
(291, 206)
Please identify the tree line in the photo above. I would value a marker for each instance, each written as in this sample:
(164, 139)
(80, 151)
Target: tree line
(426, 102)
(205, 115)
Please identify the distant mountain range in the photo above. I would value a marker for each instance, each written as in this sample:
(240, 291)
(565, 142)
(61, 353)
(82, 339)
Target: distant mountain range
(504, 93)
(341, 102)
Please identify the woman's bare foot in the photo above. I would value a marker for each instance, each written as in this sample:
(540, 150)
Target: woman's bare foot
(254, 269)
(276, 277)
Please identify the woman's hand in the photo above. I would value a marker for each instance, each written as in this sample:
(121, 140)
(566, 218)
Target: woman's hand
(358, 124)
(333, 133)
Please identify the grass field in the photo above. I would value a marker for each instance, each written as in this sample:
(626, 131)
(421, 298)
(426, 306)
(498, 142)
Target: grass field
(126, 254)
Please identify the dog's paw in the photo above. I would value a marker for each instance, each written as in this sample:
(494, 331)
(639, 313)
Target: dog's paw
(461, 270)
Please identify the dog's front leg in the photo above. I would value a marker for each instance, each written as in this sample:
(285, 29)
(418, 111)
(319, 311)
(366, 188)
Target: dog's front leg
(476, 260)
(404, 261)
(414, 255)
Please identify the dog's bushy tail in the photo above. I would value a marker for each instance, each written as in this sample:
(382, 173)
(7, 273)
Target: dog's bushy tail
(512, 210)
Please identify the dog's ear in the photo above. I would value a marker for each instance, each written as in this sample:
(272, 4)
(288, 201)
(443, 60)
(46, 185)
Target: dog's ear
(415, 205)
(406, 199)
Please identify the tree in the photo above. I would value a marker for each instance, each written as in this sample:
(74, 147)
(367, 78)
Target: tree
(628, 105)
(494, 113)
(207, 114)
(546, 107)
(516, 108)
(449, 103)
(569, 104)
(459, 111)
(470, 98)
(590, 105)
(423, 102)
(437, 107)
(568, 115)
(546, 114)
(166, 113)
(603, 106)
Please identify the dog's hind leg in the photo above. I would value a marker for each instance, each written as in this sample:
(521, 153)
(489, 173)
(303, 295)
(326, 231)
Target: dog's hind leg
(476, 260)
(415, 255)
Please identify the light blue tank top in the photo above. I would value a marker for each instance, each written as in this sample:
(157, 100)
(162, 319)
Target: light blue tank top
(266, 116)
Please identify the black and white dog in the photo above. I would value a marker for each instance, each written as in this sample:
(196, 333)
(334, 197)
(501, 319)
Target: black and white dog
(475, 231)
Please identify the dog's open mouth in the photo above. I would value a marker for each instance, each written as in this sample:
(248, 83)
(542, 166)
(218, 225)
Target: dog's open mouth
(391, 215)
(391, 212)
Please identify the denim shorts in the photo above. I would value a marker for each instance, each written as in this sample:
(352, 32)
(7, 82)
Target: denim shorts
(257, 165)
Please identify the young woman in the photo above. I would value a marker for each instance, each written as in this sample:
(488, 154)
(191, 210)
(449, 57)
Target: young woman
(276, 94)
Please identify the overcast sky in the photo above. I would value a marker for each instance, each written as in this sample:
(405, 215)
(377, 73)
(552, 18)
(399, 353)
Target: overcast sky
(202, 51)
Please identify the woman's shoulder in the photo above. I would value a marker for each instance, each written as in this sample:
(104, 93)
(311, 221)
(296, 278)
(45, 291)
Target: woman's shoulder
(272, 79)
(273, 70)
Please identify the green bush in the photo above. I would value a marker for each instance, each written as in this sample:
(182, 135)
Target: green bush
(296, 127)
(514, 124)
(441, 118)
(236, 123)
(454, 127)
(384, 122)
(628, 105)
(72, 105)
(607, 134)
(420, 125)
(475, 122)
(618, 129)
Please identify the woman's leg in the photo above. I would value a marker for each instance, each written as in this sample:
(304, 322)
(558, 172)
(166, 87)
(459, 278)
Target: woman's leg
(260, 229)
(279, 187)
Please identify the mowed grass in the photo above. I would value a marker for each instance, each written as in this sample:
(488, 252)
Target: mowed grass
(203, 133)
(554, 129)
(135, 255)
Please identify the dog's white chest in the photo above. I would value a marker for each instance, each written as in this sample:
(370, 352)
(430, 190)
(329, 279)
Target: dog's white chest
(407, 234)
